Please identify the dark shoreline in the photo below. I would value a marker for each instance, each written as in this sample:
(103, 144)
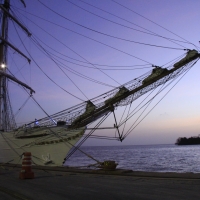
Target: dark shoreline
(188, 141)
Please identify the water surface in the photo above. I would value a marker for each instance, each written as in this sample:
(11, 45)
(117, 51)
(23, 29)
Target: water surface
(152, 158)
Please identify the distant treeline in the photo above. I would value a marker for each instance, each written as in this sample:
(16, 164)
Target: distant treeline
(188, 141)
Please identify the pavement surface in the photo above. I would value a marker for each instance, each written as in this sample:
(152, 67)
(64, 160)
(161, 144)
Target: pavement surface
(58, 184)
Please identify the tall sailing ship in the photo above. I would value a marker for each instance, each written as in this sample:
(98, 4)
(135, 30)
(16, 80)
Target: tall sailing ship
(51, 138)
(49, 144)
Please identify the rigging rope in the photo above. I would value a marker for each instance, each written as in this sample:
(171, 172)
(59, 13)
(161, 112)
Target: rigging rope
(120, 25)
(147, 105)
(123, 67)
(77, 73)
(22, 105)
(62, 71)
(42, 69)
(73, 50)
(107, 36)
(150, 32)
(150, 20)
(161, 98)
(87, 136)
(78, 55)
(175, 59)
(86, 36)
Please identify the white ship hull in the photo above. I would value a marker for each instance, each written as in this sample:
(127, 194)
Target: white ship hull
(48, 146)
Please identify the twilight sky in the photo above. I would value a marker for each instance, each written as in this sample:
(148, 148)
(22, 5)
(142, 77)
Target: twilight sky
(69, 35)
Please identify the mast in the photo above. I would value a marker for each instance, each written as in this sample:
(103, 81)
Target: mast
(7, 121)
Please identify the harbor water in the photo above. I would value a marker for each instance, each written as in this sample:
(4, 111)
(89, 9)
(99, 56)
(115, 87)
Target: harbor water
(151, 158)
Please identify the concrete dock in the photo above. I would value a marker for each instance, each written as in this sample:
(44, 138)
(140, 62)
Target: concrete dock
(71, 183)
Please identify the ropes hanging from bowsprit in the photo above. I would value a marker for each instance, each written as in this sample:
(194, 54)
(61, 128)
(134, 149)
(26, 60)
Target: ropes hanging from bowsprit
(105, 165)
(87, 112)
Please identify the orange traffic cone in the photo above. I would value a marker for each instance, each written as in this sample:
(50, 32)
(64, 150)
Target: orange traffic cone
(26, 171)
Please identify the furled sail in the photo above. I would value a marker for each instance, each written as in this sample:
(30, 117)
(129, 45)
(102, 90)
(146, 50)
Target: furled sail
(85, 113)
(155, 72)
(191, 55)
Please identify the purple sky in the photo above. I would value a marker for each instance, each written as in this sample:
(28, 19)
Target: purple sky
(178, 114)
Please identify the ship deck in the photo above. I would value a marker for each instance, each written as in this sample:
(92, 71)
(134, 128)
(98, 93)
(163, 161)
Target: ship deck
(74, 183)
